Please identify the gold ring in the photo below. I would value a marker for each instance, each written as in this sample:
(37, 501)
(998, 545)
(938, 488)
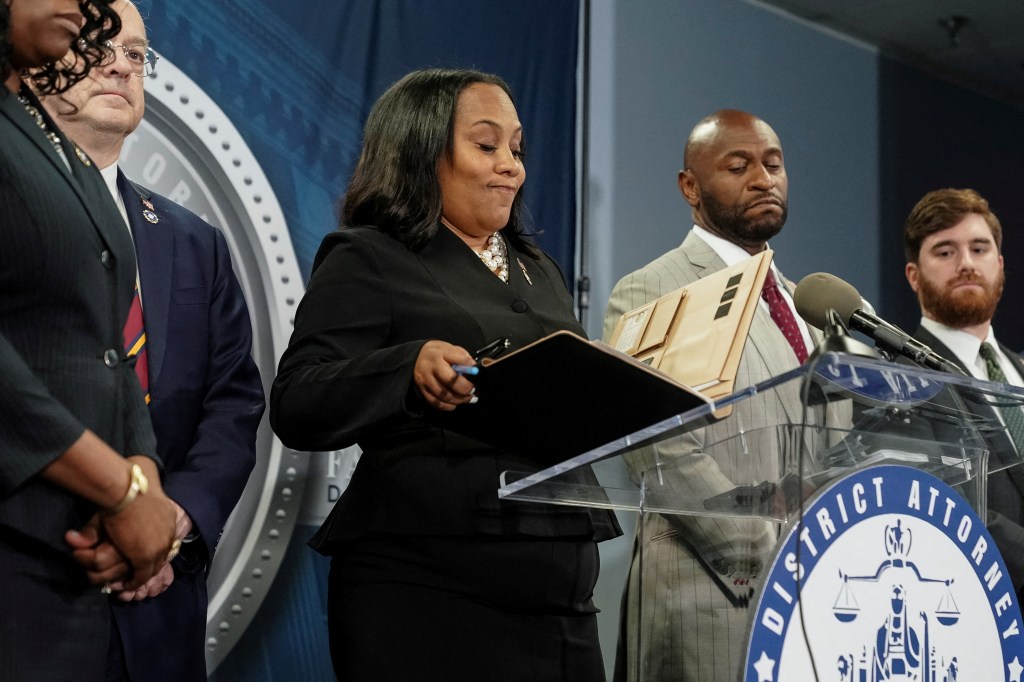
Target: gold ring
(175, 548)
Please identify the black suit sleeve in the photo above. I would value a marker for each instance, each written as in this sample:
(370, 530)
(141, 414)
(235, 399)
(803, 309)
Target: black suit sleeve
(339, 376)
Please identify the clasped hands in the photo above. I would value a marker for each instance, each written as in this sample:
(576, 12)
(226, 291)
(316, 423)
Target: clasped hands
(129, 552)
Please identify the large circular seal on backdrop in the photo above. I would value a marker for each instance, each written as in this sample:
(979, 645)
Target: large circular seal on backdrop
(188, 150)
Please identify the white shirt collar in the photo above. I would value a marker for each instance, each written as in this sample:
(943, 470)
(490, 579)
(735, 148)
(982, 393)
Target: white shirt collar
(732, 253)
(110, 178)
(728, 251)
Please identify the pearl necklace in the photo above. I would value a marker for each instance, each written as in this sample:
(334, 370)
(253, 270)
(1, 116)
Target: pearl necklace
(495, 257)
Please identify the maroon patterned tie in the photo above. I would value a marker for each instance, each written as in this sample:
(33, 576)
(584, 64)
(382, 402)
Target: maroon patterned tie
(783, 316)
(135, 342)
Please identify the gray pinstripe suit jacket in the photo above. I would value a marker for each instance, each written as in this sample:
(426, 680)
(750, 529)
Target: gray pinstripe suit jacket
(689, 621)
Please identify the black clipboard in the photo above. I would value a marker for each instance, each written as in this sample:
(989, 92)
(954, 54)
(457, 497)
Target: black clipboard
(563, 395)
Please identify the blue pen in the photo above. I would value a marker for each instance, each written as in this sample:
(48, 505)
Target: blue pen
(471, 370)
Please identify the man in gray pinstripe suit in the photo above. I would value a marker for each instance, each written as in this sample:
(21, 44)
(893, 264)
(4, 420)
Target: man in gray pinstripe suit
(690, 621)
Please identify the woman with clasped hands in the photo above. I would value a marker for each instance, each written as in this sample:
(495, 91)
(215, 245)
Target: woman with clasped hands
(69, 404)
(432, 578)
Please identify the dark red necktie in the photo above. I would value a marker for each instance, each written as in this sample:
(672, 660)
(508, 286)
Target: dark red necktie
(783, 316)
(135, 342)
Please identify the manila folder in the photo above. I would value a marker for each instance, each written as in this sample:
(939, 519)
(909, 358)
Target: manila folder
(696, 334)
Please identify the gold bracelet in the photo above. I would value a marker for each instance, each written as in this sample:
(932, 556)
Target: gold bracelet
(175, 548)
(138, 485)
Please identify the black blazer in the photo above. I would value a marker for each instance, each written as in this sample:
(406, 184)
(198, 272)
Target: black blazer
(67, 273)
(347, 378)
(1006, 487)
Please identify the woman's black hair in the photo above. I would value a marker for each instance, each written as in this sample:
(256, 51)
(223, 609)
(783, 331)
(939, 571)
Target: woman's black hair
(395, 186)
(101, 24)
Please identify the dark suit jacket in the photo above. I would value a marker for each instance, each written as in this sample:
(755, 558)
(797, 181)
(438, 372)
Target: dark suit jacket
(346, 377)
(1006, 487)
(66, 280)
(67, 273)
(206, 405)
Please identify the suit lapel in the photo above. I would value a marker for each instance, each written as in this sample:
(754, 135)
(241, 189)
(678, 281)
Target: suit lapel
(15, 112)
(461, 275)
(154, 250)
(1014, 360)
(86, 182)
(767, 340)
(701, 256)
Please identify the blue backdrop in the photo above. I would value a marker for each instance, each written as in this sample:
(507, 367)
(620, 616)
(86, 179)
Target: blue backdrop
(297, 79)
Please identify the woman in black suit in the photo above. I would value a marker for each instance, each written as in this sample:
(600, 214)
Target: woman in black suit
(432, 577)
(70, 408)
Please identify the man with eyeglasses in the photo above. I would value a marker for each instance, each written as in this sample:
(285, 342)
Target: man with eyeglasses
(191, 337)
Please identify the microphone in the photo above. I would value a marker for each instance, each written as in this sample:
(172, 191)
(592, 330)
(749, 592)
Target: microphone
(820, 292)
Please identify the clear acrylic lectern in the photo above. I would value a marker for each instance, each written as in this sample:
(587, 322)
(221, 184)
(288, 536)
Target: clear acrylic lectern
(730, 490)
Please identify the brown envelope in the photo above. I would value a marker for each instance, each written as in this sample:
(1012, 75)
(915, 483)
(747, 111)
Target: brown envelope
(696, 334)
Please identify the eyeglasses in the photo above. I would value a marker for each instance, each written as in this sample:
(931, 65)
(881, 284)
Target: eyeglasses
(141, 57)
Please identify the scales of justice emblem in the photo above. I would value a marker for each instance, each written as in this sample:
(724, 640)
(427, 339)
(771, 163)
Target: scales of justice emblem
(902, 647)
(889, 577)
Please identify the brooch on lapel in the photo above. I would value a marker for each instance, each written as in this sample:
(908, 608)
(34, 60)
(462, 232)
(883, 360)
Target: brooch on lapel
(523, 268)
(149, 214)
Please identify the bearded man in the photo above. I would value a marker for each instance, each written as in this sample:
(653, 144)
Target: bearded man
(685, 615)
(953, 245)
